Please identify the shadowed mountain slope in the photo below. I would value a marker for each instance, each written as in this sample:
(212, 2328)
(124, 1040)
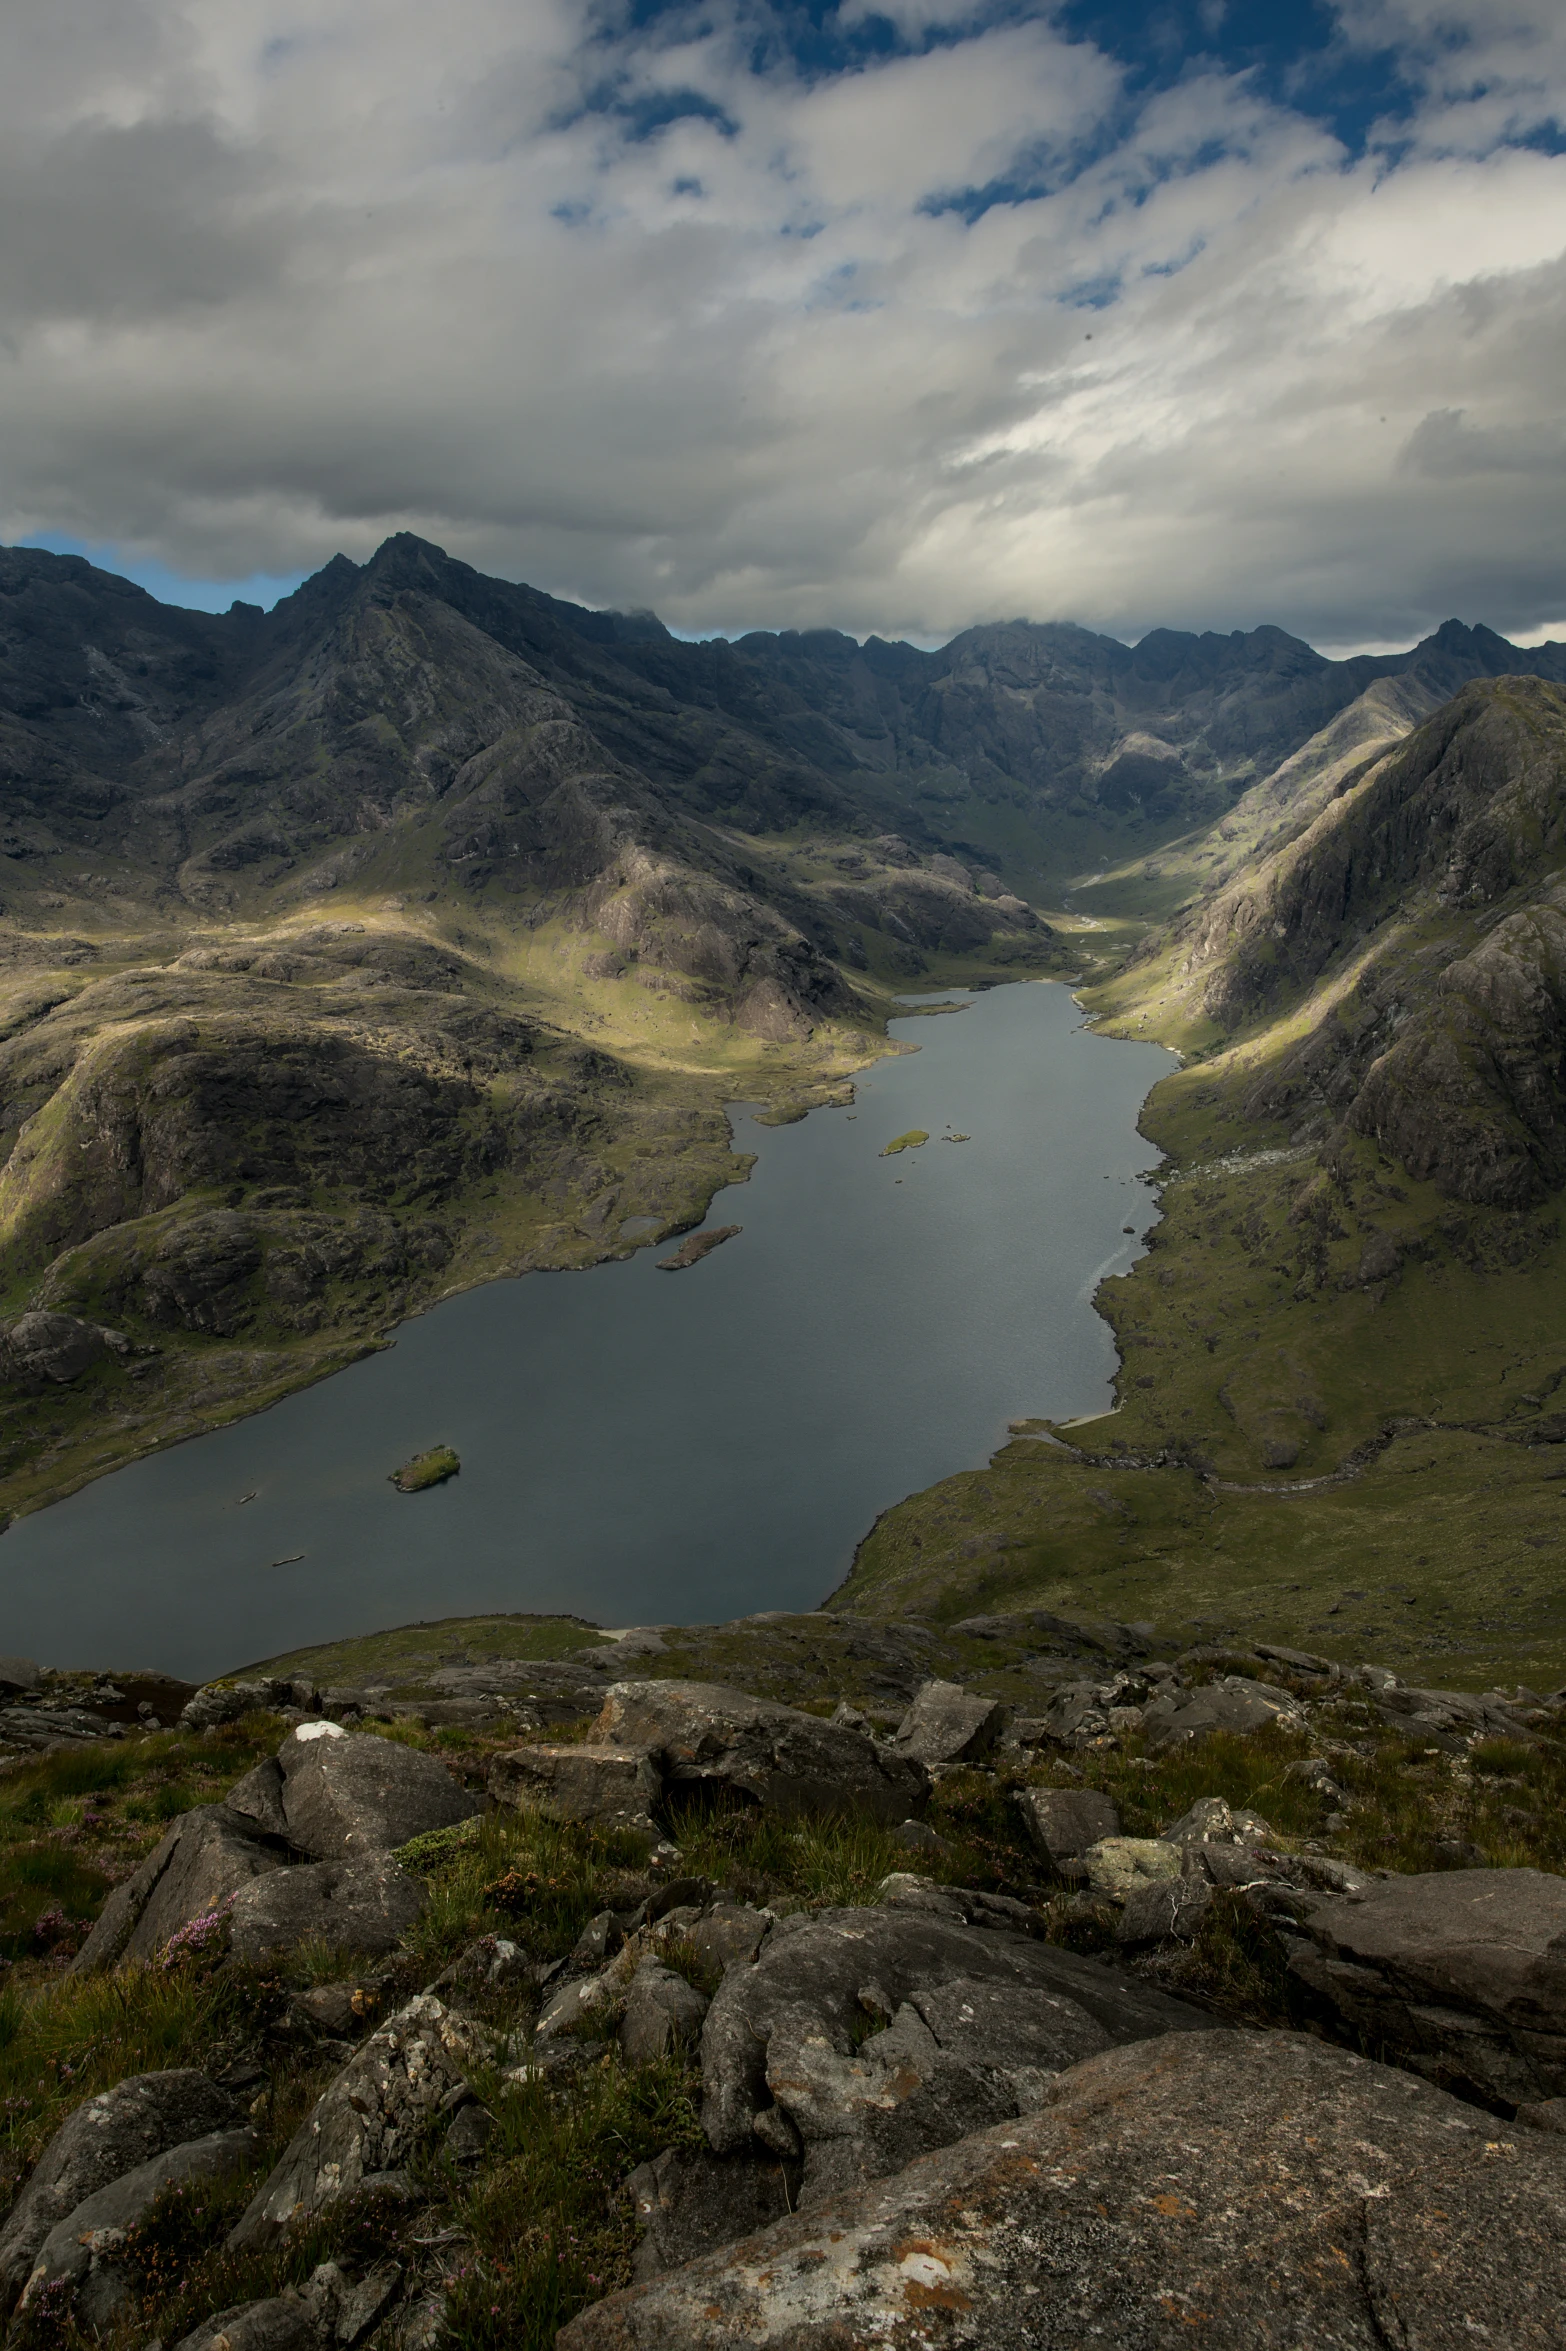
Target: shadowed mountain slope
(417, 930)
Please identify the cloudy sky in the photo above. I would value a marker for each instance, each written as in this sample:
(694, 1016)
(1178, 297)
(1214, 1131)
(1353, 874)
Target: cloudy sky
(887, 316)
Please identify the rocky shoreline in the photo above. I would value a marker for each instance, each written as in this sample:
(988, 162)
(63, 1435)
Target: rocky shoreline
(953, 2037)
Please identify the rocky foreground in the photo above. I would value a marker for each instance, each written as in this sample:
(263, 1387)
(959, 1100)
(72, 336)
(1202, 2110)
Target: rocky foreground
(586, 2000)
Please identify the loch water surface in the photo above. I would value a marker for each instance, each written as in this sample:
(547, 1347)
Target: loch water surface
(645, 1447)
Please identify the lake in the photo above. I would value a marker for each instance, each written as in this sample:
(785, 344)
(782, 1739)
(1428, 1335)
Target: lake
(646, 1447)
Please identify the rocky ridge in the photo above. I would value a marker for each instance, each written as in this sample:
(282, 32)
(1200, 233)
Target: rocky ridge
(1016, 2050)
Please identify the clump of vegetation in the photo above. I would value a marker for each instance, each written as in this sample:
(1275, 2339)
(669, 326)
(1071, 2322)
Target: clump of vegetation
(909, 1142)
(426, 1469)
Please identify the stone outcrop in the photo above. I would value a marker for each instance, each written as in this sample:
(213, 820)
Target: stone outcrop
(1232, 1704)
(1064, 1822)
(860, 2037)
(79, 2253)
(714, 1742)
(365, 1905)
(349, 1799)
(42, 1347)
(948, 1724)
(104, 2139)
(198, 1866)
(611, 1787)
(343, 1796)
(1460, 1976)
(1239, 2189)
(369, 2121)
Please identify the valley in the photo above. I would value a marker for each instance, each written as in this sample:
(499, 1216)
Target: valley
(419, 931)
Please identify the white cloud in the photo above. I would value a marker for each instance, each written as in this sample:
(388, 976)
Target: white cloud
(280, 280)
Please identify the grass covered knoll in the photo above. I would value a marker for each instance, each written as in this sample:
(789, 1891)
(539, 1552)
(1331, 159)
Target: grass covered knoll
(431, 1468)
(540, 2225)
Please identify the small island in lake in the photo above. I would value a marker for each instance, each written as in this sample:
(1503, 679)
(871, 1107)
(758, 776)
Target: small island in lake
(691, 1252)
(909, 1142)
(426, 1469)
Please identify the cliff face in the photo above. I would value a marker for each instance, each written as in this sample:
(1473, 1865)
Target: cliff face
(1413, 936)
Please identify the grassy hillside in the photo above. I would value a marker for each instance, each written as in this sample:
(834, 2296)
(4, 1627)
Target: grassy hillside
(1337, 1419)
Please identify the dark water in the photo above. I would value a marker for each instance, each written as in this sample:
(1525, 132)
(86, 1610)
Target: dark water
(645, 1447)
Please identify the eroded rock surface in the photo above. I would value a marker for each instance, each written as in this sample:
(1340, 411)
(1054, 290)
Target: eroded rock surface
(1460, 1975)
(1251, 2192)
(948, 1724)
(689, 2201)
(613, 1787)
(965, 2026)
(79, 2251)
(104, 2139)
(707, 1738)
(344, 1795)
(370, 2119)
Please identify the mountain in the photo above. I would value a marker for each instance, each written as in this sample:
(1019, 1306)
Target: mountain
(419, 929)
(245, 741)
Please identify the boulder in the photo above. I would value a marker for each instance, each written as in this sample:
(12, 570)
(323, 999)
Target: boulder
(469, 2132)
(1232, 1704)
(688, 2200)
(219, 1702)
(1299, 1660)
(1064, 1822)
(18, 1673)
(205, 1858)
(345, 2308)
(661, 2011)
(55, 1347)
(368, 2121)
(344, 1795)
(917, 1836)
(1163, 1910)
(947, 1724)
(969, 2023)
(705, 1738)
(1452, 1713)
(572, 2005)
(281, 2323)
(727, 1934)
(362, 1905)
(1117, 1866)
(1210, 1821)
(1244, 2190)
(105, 2138)
(258, 1799)
(608, 1787)
(79, 2251)
(1459, 1975)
